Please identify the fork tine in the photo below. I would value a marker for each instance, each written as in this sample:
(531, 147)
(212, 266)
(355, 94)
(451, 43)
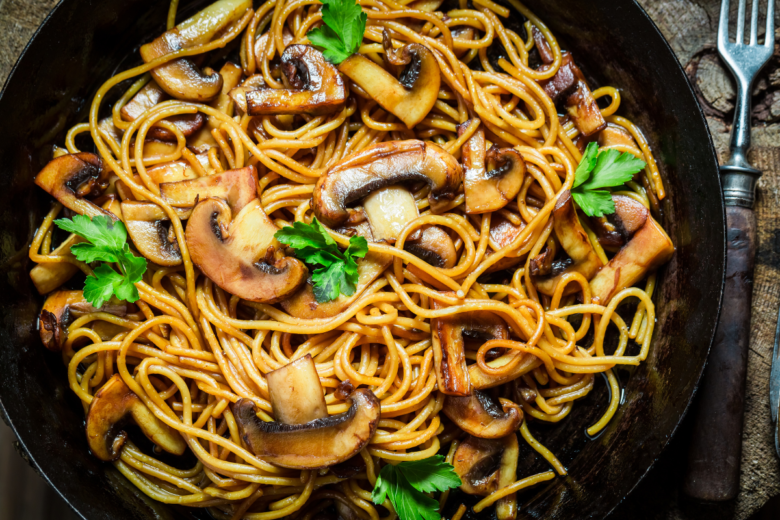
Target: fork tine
(741, 22)
(723, 26)
(754, 23)
(769, 38)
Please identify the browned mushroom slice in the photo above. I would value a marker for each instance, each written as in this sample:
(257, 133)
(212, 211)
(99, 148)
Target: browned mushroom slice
(171, 172)
(428, 6)
(238, 94)
(575, 242)
(490, 179)
(150, 229)
(434, 246)
(503, 232)
(580, 103)
(541, 264)
(545, 52)
(304, 305)
(113, 406)
(448, 337)
(616, 135)
(237, 251)
(649, 248)
(61, 308)
(296, 392)
(317, 86)
(616, 229)
(237, 187)
(481, 380)
(381, 165)
(149, 96)
(479, 416)
(484, 465)
(181, 78)
(73, 177)
(413, 94)
(313, 445)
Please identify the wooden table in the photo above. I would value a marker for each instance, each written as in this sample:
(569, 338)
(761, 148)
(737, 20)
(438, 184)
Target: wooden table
(690, 26)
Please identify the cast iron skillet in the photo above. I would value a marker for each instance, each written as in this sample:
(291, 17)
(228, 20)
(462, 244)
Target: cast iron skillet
(83, 42)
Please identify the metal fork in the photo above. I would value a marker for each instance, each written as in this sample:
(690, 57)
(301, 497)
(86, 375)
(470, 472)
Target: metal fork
(716, 448)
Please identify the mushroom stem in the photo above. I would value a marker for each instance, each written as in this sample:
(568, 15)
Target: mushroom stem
(296, 392)
(114, 404)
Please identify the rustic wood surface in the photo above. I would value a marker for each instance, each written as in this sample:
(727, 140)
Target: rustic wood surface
(690, 26)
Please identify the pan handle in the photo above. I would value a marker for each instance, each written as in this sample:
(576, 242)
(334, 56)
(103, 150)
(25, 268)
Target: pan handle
(716, 447)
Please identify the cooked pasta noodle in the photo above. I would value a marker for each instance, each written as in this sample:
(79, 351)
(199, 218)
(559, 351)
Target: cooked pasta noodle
(190, 350)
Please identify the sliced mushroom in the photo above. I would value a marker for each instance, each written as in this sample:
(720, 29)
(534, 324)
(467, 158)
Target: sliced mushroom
(503, 232)
(463, 33)
(73, 177)
(448, 337)
(580, 103)
(148, 97)
(545, 52)
(428, 6)
(238, 94)
(434, 246)
(481, 380)
(616, 135)
(317, 87)
(181, 78)
(413, 94)
(61, 308)
(231, 77)
(112, 407)
(236, 250)
(150, 229)
(304, 305)
(50, 275)
(479, 416)
(237, 187)
(490, 179)
(575, 242)
(649, 248)
(381, 165)
(296, 392)
(171, 172)
(616, 229)
(313, 445)
(485, 465)
(542, 264)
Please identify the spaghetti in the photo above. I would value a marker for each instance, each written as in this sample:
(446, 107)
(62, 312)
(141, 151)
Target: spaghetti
(189, 350)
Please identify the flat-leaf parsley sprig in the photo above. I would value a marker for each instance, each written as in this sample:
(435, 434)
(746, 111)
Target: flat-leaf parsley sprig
(406, 484)
(342, 33)
(607, 169)
(315, 246)
(106, 242)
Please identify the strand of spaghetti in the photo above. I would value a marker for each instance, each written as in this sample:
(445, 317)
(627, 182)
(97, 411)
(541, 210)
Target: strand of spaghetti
(513, 488)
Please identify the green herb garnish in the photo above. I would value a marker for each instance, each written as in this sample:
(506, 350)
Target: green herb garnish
(314, 245)
(406, 483)
(596, 170)
(106, 242)
(340, 37)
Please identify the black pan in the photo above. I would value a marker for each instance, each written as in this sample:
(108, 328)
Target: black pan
(83, 42)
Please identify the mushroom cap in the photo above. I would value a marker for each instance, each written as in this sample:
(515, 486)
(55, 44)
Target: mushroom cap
(410, 97)
(149, 228)
(318, 88)
(71, 177)
(449, 355)
(237, 187)
(479, 416)
(380, 165)
(148, 97)
(313, 445)
(233, 251)
(435, 246)
(492, 178)
(477, 463)
(575, 242)
(111, 407)
(180, 78)
(61, 307)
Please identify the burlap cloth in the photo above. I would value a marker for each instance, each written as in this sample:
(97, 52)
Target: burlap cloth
(690, 26)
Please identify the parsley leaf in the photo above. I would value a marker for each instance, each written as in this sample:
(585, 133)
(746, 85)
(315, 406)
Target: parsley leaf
(107, 242)
(313, 245)
(340, 37)
(406, 483)
(608, 169)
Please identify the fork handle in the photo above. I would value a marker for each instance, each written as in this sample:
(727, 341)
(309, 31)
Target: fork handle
(716, 447)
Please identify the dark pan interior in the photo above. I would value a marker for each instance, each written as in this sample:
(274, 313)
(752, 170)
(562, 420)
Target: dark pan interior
(83, 42)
